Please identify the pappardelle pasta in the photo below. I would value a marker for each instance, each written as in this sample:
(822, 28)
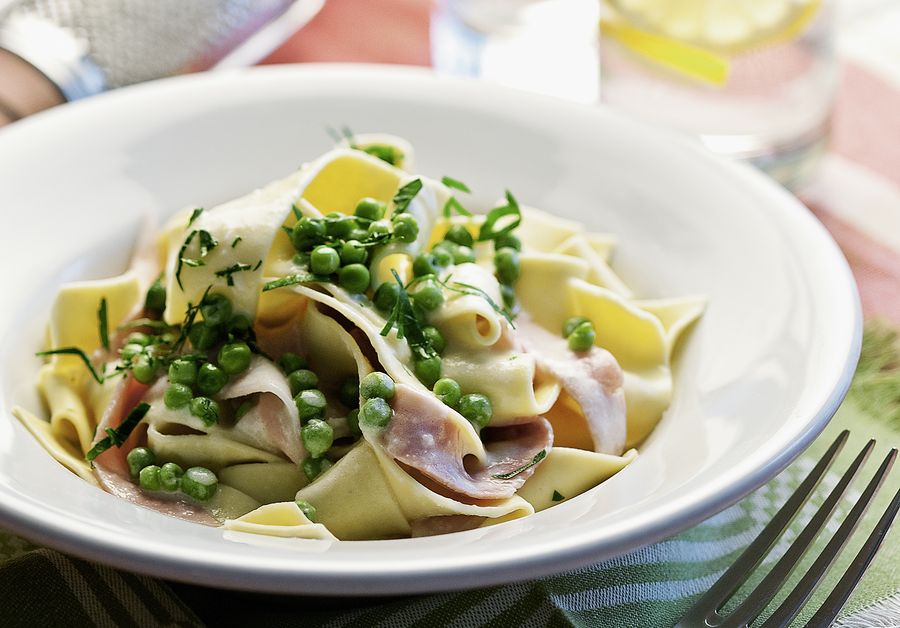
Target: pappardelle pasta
(352, 353)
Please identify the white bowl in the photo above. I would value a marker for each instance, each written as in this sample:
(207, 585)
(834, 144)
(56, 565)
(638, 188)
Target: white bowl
(756, 380)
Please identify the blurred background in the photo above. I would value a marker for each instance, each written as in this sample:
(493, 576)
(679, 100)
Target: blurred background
(756, 80)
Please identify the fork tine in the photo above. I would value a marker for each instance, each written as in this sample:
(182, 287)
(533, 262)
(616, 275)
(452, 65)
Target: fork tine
(841, 593)
(798, 597)
(756, 601)
(704, 610)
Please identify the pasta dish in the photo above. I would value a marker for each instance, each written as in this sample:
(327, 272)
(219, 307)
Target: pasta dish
(354, 352)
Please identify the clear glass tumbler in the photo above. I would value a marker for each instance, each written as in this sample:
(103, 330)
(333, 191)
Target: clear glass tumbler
(753, 79)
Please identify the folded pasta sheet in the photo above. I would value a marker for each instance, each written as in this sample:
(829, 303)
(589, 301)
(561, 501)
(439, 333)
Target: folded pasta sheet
(353, 352)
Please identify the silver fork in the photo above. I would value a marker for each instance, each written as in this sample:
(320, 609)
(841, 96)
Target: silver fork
(707, 611)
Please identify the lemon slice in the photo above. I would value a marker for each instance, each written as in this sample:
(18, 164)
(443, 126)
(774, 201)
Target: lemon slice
(723, 26)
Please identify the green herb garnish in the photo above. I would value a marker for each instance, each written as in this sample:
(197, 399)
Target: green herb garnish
(508, 476)
(557, 496)
(118, 436)
(466, 288)
(98, 377)
(405, 195)
(456, 185)
(292, 280)
(194, 216)
(207, 242)
(403, 316)
(104, 324)
(229, 272)
(453, 205)
(236, 241)
(489, 230)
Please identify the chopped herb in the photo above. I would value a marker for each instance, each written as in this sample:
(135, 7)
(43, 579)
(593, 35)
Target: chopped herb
(456, 185)
(465, 288)
(557, 496)
(181, 252)
(408, 326)
(207, 242)
(258, 264)
(193, 263)
(118, 436)
(297, 213)
(145, 322)
(508, 476)
(292, 280)
(190, 315)
(104, 324)
(287, 230)
(194, 216)
(384, 152)
(488, 230)
(405, 195)
(452, 205)
(229, 272)
(236, 241)
(98, 377)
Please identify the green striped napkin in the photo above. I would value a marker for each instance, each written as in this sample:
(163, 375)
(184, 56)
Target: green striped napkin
(652, 586)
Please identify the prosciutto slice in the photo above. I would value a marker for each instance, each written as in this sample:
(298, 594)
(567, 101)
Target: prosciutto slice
(111, 468)
(593, 378)
(272, 423)
(434, 440)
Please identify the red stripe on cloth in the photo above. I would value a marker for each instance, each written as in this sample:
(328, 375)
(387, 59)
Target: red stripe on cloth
(875, 267)
(866, 125)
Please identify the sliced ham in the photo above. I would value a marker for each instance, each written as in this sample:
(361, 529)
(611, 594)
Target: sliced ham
(434, 440)
(593, 378)
(273, 422)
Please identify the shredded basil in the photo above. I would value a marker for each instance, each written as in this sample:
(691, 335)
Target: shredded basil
(104, 324)
(508, 476)
(292, 280)
(229, 272)
(98, 377)
(455, 184)
(403, 316)
(194, 216)
(118, 436)
(465, 288)
(452, 205)
(488, 229)
(557, 496)
(405, 195)
(207, 242)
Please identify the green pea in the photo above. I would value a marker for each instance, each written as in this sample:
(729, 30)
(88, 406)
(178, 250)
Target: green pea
(177, 396)
(441, 256)
(353, 422)
(183, 372)
(377, 385)
(463, 255)
(376, 412)
(199, 483)
(302, 379)
(572, 323)
(406, 228)
(144, 369)
(507, 241)
(428, 296)
(379, 228)
(234, 358)
(216, 309)
(308, 510)
(317, 436)
(138, 458)
(506, 261)
(509, 296)
(370, 209)
(423, 265)
(138, 338)
(203, 336)
(428, 370)
(310, 404)
(448, 391)
(205, 409)
(290, 362)
(170, 477)
(339, 226)
(349, 392)
(307, 232)
(435, 338)
(167, 338)
(582, 337)
(385, 297)
(352, 252)
(354, 278)
(155, 300)
(239, 324)
(358, 234)
(148, 478)
(314, 467)
(477, 409)
(460, 235)
(129, 351)
(211, 379)
(324, 260)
